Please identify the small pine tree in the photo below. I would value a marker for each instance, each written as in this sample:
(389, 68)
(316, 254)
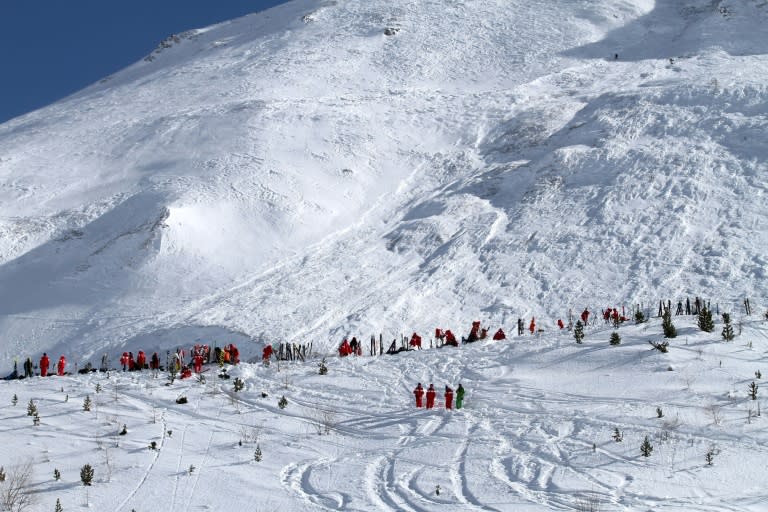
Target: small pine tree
(578, 331)
(153, 445)
(239, 384)
(659, 412)
(31, 408)
(758, 375)
(36, 420)
(87, 403)
(617, 435)
(323, 368)
(58, 508)
(283, 402)
(86, 475)
(2, 474)
(727, 328)
(98, 388)
(615, 338)
(191, 469)
(667, 326)
(639, 317)
(710, 457)
(646, 448)
(753, 391)
(706, 323)
(56, 474)
(257, 454)
(14, 400)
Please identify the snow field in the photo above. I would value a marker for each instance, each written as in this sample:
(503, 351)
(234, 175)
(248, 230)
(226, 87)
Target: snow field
(535, 433)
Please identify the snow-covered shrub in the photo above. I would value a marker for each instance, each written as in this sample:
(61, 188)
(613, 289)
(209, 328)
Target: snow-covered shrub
(86, 474)
(728, 334)
(667, 326)
(578, 331)
(705, 321)
(646, 448)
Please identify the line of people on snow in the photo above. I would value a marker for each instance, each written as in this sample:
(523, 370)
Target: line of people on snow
(199, 355)
(430, 395)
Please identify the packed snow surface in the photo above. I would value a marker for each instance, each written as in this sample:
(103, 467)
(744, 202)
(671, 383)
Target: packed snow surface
(329, 168)
(536, 431)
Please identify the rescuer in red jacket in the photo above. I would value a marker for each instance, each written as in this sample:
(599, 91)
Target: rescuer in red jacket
(499, 335)
(419, 394)
(448, 397)
(44, 364)
(62, 365)
(431, 396)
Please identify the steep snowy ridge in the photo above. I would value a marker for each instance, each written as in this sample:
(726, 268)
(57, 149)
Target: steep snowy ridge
(298, 174)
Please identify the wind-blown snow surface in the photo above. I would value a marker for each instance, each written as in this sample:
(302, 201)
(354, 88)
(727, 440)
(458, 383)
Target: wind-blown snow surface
(535, 433)
(297, 175)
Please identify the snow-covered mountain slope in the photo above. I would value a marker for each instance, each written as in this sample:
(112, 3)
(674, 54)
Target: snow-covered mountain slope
(298, 174)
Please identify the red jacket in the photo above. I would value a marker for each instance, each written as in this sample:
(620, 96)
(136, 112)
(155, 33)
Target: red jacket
(448, 398)
(430, 397)
(45, 363)
(499, 335)
(419, 394)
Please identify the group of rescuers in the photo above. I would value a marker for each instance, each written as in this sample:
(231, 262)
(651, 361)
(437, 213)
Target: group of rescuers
(419, 393)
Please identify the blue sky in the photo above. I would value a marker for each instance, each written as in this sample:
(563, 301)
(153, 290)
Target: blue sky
(52, 48)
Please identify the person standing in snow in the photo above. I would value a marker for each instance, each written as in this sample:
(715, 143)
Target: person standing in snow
(519, 326)
(44, 364)
(266, 354)
(141, 360)
(419, 394)
(448, 397)
(155, 362)
(585, 316)
(499, 335)
(28, 368)
(532, 326)
(198, 363)
(431, 396)
(459, 396)
(62, 365)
